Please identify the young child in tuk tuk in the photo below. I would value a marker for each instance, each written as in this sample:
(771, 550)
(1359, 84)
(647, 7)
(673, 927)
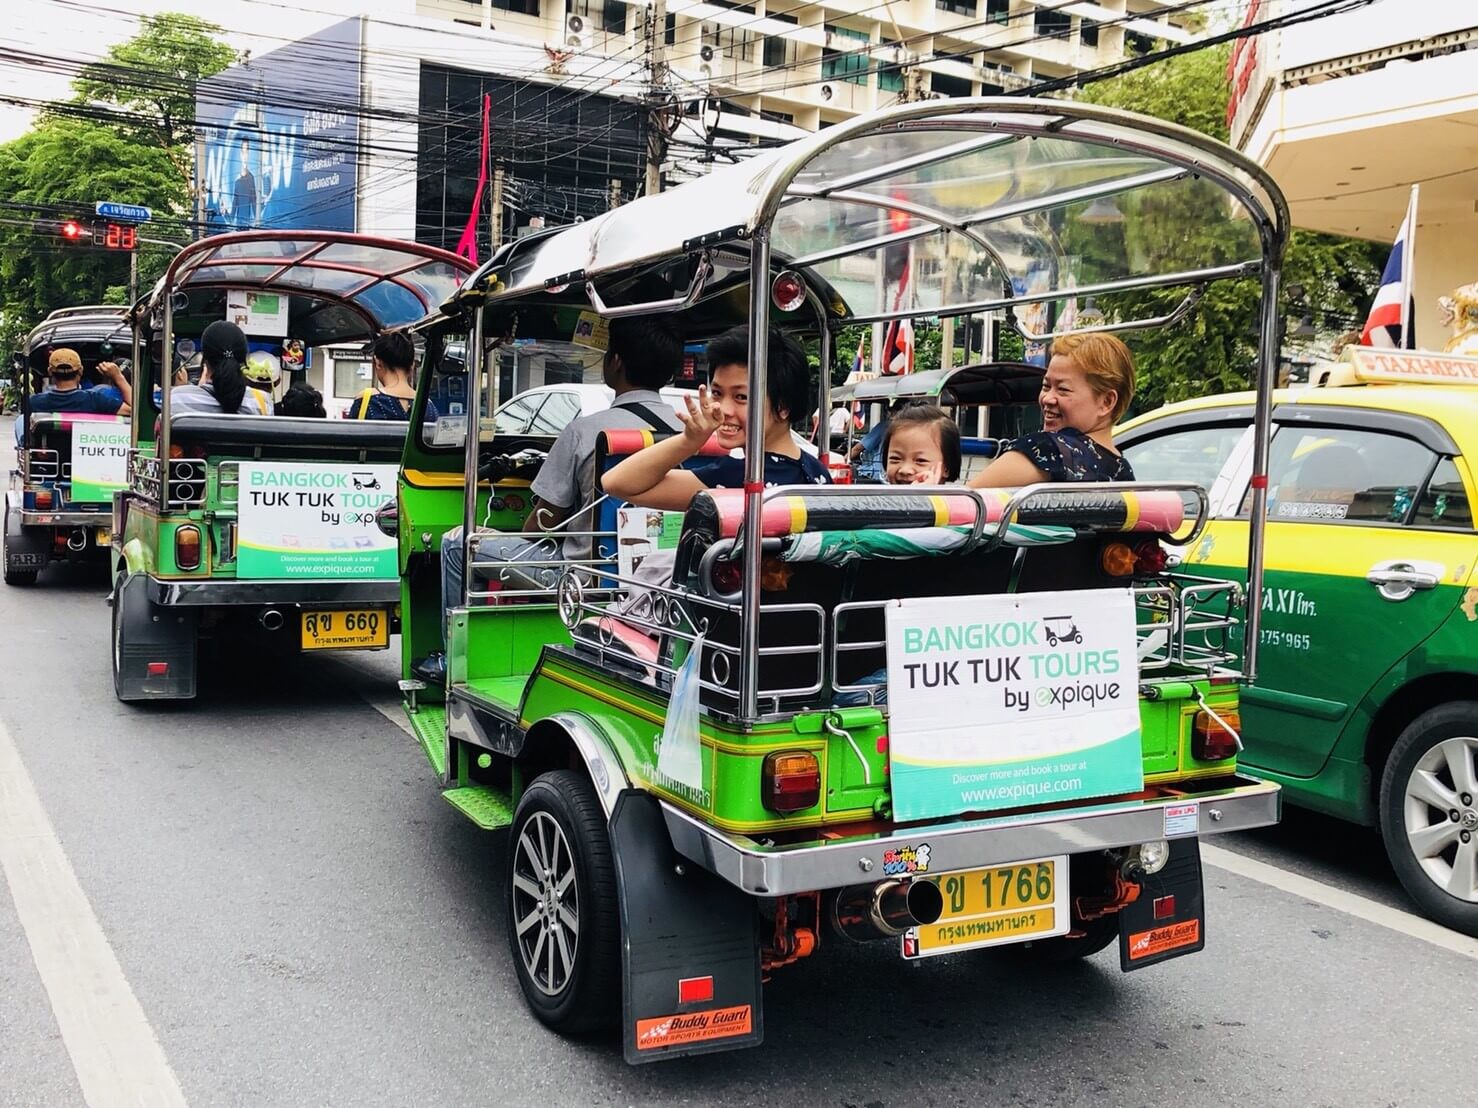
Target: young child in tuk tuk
(653, 478)
(921, 446)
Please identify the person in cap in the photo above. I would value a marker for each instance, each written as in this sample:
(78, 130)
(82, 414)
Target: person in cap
(223, 388)
(65, 392)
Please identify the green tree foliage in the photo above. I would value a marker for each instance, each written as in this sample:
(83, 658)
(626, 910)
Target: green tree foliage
(76, 155)
(1215, 349)
(151, 78)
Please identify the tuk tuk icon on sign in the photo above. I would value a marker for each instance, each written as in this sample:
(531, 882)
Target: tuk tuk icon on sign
(366, 481)
(1066, 630)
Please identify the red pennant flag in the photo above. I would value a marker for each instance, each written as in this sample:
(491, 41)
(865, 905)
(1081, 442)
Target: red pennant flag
(467, 244)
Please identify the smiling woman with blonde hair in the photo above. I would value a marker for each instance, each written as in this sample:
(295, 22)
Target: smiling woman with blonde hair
(1085, 391)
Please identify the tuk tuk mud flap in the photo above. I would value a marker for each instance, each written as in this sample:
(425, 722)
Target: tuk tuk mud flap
(690, 952)
(1169, 917)
(157, 655)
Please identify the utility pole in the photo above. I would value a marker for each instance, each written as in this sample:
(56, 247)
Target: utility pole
(657, 99)
(615, 193)
(496, 215)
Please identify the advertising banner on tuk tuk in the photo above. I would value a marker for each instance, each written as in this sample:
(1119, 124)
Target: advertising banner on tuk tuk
(298, 520)
(1011, 701)
(99, 459)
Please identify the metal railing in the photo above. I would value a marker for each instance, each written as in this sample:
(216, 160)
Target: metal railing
(186, 485)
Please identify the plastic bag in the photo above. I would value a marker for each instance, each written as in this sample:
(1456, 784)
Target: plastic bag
(680, 757)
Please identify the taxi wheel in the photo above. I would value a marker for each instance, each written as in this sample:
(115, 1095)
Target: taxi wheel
(1097, 934)
(563, 920)
(1429, 813)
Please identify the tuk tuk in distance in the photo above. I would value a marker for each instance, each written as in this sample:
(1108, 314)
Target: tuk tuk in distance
(836, 716)
(68, 464)
(264, 523)
(991, 401)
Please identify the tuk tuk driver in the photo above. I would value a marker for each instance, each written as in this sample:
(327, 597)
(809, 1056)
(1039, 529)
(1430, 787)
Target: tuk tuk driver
(67, 394)
(643, 355)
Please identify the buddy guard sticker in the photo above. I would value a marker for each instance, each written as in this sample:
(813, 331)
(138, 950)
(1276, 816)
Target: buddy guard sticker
(695, 1027)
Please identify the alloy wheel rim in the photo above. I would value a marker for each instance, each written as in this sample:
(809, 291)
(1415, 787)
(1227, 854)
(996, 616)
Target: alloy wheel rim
(546, 904)
(1440, 813)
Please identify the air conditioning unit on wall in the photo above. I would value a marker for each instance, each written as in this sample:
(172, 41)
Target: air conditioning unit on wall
(577, 32)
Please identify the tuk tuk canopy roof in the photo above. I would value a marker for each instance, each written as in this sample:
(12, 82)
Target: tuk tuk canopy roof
(83, 325)
(985, 383)
(385, 282)
(999, 201)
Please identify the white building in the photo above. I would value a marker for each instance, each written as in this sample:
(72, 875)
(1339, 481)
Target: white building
(1347, 112)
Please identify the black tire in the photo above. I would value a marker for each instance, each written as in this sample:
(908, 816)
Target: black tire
(1098, 933)
(588, 996)
(1455, 721)
(115, 643)
(19, 577)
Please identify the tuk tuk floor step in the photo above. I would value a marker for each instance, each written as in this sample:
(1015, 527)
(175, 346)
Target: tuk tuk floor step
(428, 721)
(502, 694)
(486, 807)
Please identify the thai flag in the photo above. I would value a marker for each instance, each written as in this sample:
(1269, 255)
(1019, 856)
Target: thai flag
(856, 375)
(1390, 322)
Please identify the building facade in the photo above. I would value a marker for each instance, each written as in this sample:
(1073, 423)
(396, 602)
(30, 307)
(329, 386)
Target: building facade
(1348, 112)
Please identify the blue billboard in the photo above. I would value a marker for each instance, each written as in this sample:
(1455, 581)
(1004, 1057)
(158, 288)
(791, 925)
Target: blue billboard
(280, 137)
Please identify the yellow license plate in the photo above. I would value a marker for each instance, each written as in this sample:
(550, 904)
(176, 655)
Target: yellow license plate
(995, 906)
(105, 537)
(346, 629)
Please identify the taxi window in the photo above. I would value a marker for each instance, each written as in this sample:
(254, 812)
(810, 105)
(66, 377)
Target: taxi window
(1343, 475)
(556, 411)
(1188, 454)
(512, 418)
(1444, 502)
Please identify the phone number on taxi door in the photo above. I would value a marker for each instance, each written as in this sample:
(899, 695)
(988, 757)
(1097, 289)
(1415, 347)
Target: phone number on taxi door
(1271, 636)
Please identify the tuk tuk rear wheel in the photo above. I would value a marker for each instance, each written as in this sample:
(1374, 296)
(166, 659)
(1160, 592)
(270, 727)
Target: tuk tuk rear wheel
(21, 577)
(563, 919)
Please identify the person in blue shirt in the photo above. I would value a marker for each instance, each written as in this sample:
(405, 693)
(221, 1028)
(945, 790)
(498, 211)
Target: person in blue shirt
(66, 393)
(653, 478)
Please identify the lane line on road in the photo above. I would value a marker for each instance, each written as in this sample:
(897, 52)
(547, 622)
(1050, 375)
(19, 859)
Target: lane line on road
(114, 1051)
(1353, 904)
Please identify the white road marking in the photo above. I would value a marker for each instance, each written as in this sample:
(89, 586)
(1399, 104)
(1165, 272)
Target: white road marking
(116, 1055)
(1350, 903)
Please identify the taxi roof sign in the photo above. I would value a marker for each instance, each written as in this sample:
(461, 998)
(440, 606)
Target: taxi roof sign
(1373, 365)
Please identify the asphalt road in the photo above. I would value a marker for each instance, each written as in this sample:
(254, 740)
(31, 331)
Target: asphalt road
(303, 921)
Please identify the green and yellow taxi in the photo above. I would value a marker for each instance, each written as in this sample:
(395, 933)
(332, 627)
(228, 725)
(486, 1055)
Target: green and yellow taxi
(1365, 703)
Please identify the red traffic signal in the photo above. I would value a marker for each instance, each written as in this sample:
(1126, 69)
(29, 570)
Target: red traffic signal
(71, 230)
(68, 230)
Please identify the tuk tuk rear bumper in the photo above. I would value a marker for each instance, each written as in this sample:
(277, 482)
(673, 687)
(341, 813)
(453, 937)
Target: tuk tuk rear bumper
(277, 594)
(1234, 803)
(102, 518)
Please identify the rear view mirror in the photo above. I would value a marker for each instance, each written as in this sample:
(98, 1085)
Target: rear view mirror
(387, 519)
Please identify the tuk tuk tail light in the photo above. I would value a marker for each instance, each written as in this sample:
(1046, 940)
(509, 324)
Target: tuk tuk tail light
(1215, 738)
(187, 547)
(1118, 560)
(1150, 558)
(44, 499)
(788, 291)
(790, 781)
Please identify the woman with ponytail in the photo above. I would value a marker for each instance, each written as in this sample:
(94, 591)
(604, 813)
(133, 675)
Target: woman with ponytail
(223, 386)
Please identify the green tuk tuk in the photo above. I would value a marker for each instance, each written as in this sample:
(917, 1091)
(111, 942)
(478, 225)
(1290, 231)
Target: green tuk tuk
(58, 504)
(943, 717)
(267, 522)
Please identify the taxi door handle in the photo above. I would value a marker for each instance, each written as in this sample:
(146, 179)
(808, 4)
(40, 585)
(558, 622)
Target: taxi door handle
(1397, 580)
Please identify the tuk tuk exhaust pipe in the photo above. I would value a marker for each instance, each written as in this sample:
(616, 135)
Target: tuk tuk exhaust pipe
(885, 910)
(271, 620)
(77, 540)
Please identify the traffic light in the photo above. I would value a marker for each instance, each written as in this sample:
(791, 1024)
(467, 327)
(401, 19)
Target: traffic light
(72, 231)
